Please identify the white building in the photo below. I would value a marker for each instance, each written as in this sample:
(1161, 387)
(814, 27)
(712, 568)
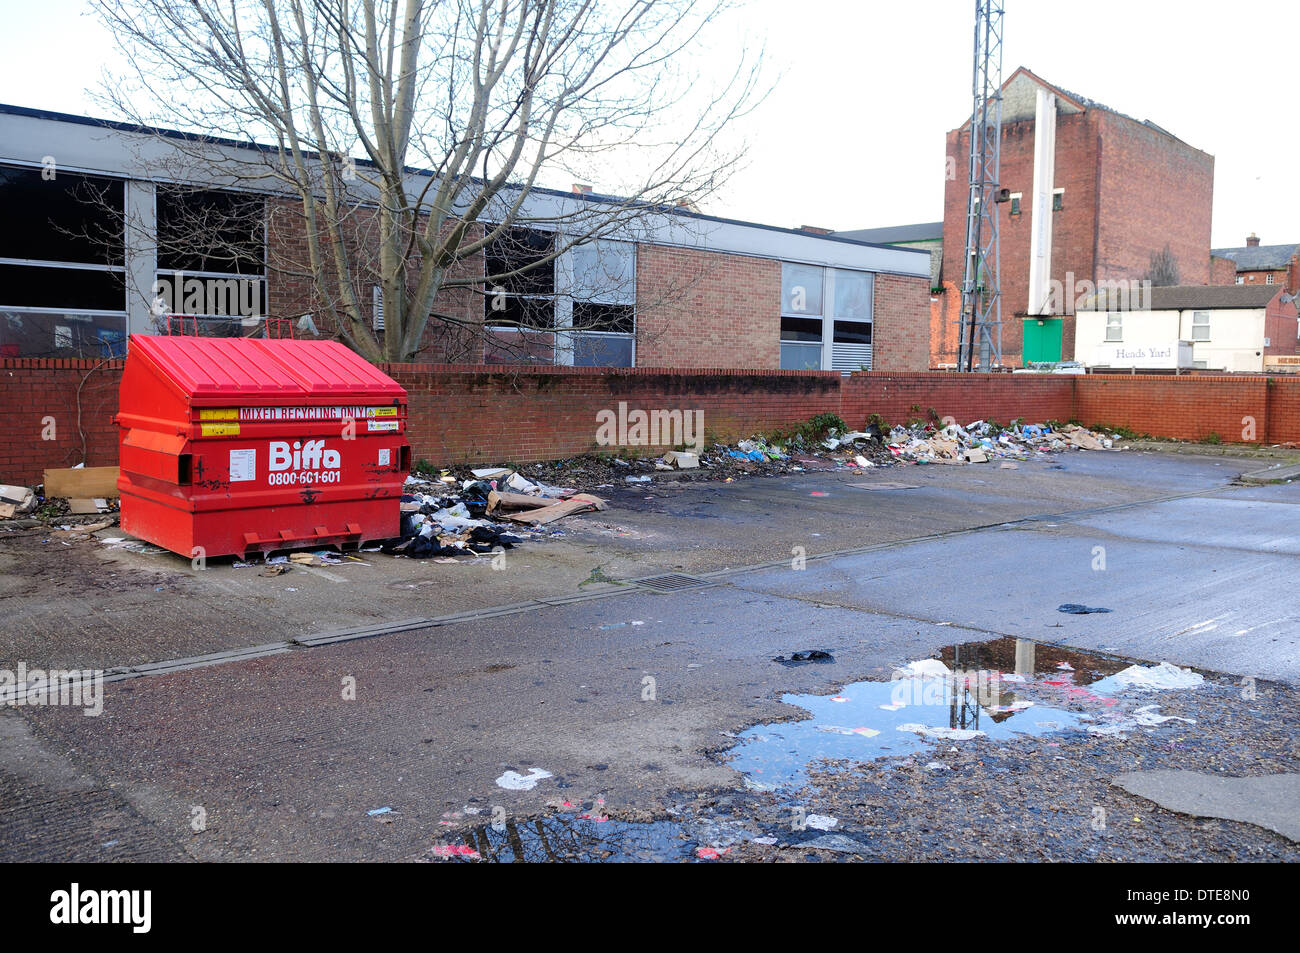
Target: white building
(1231, 328)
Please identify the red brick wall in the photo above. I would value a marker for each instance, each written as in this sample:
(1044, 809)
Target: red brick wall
(506, 413)
(901, 335)
(1223, 271)
(1153, 191)
(1280, 327)
(1188, 408)
(705, 309)
(494, 414)
(966, 397)
(71, 401)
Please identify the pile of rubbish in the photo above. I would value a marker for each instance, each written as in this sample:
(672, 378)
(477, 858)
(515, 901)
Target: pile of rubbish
(981, 442)
(755, 456)
(445, 516)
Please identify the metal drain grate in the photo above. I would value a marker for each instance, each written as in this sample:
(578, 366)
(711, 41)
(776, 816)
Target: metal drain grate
(672, 582)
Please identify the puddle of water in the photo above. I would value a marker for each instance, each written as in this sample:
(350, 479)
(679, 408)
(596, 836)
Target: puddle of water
(593, 838)
(570, 838)
(998, 690)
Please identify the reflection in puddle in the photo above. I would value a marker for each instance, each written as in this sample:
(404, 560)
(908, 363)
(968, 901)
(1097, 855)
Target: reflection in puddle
(595, 838)
(568, 838)
(997, 690)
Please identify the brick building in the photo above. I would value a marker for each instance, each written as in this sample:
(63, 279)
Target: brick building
(1256, 264)
(1107, 192)
(679, 290)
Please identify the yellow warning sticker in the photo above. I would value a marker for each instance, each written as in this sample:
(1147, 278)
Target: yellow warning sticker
(219, 430)
(383, 411)
(221, 413)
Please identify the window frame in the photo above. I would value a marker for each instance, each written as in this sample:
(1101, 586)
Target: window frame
(1195, 324)
(1114, 321)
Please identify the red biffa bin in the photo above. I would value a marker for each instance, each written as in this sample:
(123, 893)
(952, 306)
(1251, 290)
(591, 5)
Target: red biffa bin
(234, 446)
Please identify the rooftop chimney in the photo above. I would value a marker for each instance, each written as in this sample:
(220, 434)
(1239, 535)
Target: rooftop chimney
(581, 189)
(1252, 240)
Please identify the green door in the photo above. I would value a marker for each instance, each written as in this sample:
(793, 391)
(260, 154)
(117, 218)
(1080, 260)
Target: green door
(1042, 340)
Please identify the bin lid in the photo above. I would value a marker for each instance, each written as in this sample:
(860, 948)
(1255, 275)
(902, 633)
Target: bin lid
(261, 371)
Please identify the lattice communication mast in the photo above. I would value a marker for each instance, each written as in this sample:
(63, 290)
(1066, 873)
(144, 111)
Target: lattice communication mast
(981, 290)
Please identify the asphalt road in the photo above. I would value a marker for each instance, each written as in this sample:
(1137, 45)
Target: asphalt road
(630, 700)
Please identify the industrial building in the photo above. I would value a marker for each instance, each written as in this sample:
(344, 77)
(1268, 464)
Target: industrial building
(89, 255)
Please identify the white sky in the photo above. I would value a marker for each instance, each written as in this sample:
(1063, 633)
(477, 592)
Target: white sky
(853, 135)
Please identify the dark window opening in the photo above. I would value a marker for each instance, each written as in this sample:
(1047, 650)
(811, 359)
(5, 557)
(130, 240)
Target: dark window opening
(610, 318)
(1058, 201)
(801, 329)
(70, 217)
(523, 250)
(207, 230)
(852, 332)
(513, 312)
(76, 289)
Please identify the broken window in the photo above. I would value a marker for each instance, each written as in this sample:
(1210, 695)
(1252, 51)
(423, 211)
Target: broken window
(62, 264)
(57, 216)
(204, 230)
(211, 258)
(519, 298)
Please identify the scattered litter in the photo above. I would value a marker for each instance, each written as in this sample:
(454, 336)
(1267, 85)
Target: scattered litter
(1074, 608)
(812, 655)
(947, 734)
(980, 442)
(682, 460)
(1154, 678)
(710, 853)
(514, 781)
(821, 822)
(455, 850)
(16, 500)
(380, 810)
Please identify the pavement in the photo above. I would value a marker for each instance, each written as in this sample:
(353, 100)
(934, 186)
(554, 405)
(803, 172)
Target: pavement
(395, 739)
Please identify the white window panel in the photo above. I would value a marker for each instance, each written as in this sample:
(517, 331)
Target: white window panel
(1114, 327)
(1200, 325)
(851, 292)
(801, 289)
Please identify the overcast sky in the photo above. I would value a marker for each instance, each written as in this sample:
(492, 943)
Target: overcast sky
(853, 135)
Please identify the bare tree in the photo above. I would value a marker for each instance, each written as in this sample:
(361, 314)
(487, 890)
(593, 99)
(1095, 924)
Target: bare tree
(405, 139)
(1163, 269)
